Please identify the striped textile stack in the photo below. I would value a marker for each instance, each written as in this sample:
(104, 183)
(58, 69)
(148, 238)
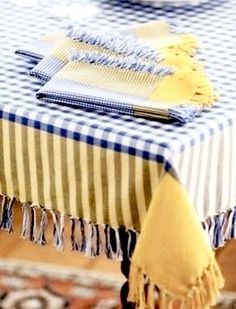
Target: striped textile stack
(145, 70)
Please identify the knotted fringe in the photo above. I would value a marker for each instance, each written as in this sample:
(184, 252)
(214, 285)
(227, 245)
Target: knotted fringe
(178, 54)
(93, 242)
(203, 294)
(174, 55)
(129, 63)
(119, 43)
(42, 229)
(58, 230)
(93, 239)
(221, 227)
(29, 222)
(6, 220)
(230, 231)
(186, 43)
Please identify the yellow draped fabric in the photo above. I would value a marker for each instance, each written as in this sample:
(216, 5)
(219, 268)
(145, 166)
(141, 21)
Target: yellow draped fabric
(174, 253)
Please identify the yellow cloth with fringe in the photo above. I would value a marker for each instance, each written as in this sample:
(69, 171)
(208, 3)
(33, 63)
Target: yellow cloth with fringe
(189, 82)
(176, 257)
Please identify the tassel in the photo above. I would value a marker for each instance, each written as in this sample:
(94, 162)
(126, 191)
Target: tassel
(151, 297)
(196, 296)
(118, 44)
(91, 241)
(25, 231)
(135, 284)
(186, 44)
(162, 300)
(203, 294)
(228, 224)
(220, 228)
(99, 246)
(29, 222)
(129, 63)
(58, 231)
(112, 238)
(233, 225)
(219, 234)
(86, 239)
(7, 214)
(215, 228)
(33, 225)
(108, 242)
(83, 237)
(43, 224)
(119, 253)
(74, 241)
(94, 240)
(189, 75)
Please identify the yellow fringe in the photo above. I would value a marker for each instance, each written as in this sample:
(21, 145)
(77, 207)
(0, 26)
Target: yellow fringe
(151, 296)
(185, 43)
(189, 83)
(202, 295)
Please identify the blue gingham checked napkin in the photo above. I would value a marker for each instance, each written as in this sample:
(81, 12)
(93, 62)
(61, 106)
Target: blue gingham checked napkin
(145, 70)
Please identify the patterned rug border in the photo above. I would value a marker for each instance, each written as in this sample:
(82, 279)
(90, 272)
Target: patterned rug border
(34, 269)
(74, 274)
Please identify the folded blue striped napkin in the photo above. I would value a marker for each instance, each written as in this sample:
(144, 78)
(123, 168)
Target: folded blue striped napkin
(39, 49)
(126, 41)
(144, 70)
(97, 81)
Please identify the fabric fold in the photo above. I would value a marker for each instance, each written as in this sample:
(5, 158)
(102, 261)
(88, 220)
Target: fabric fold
(39, 49)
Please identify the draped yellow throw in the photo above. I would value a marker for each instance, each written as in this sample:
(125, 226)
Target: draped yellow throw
(177, 257)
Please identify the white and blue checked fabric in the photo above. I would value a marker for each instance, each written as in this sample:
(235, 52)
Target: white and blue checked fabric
(213, 22)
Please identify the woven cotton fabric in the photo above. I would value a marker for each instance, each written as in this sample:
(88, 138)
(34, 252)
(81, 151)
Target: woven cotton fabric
(136, 69)
(57, 152)
(134, 136)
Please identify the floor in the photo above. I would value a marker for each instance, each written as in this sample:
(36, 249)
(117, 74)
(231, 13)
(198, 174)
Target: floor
(14, 247)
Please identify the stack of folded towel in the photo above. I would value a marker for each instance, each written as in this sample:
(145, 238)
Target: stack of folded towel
(144, 70)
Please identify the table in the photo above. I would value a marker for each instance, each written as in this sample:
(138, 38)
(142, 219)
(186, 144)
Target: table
(65, 159)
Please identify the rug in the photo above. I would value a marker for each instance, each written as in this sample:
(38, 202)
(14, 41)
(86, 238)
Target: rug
(25, 285)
